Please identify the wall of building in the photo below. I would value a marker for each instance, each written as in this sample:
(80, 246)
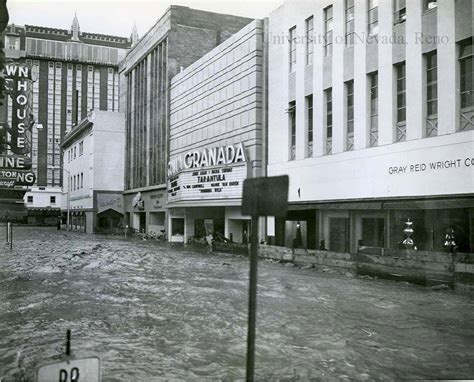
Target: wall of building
(218, 99)
(80, 74)
(284, 84)
(425, 158)
(108, 157)
(181, 36)
(94, 154)
(217, 102)
(42, 198)
(80, 166)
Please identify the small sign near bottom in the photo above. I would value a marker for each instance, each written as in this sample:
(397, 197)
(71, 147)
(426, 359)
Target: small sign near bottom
(76, 370)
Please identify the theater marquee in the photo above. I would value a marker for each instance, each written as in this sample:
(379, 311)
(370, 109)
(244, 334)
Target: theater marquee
(211, 173)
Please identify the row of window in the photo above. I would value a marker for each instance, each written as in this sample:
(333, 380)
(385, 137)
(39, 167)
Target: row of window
(76, 182)
(72, 152)
(74, 51)
(52, 199)
(399, 12)
(466, 93)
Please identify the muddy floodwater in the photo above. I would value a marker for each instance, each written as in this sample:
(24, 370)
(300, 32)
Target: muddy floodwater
(151, 312)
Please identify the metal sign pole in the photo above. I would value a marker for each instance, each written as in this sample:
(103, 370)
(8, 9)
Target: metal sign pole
(11, 235)
(252, 309)
(260, 197)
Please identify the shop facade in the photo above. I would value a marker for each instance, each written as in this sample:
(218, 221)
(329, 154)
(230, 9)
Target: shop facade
(93, 168)
(180, 37)
(217, 139)
(373, 137)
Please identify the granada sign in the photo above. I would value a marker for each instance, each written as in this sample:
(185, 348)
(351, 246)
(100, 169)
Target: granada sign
(208, 157)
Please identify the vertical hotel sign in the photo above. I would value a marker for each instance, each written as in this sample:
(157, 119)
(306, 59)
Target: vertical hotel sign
(15, 163)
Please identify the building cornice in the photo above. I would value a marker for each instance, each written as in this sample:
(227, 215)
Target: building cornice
(76, 131)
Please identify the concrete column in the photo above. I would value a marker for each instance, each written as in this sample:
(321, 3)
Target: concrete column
(448, 99)
(386, 78)
(318, 96)
(301, 118)
(338, 99)
(414, 71)
(133, 136)
(278, 73)
(361, 93)
(148, 118)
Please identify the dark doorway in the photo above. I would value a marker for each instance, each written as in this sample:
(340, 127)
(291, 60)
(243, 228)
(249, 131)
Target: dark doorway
(339, 234)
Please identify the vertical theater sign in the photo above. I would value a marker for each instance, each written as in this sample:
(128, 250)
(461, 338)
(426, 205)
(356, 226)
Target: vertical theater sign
(16, 122)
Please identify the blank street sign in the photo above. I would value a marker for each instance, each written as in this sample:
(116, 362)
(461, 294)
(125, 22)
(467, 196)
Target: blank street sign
(86, 369)
(265, 196)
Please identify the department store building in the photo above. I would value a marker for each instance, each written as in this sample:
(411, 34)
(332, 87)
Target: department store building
(371, 114)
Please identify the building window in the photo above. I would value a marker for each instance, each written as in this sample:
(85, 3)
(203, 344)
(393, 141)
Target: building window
(328, 95)
(309, 119)
(309, 40)
(374, 109)
(75, 152)
(81, 148)
(29, 198)
(82, 180)
(401, 102)
(431, 94)
(373, 18)
(466, 63)
(349, 22)
(13, 43)
(292, 123)
(52, 199)
(292, 49)
(430, 4)
(328, 31)
(399, 11)
(350, 115)
(74, 187)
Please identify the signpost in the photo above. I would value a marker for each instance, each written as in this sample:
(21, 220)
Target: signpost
(70, 370)
(86, 369)
(266, 196)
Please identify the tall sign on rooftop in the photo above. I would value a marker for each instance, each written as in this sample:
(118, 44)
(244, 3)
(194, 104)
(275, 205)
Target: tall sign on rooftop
(15, 138)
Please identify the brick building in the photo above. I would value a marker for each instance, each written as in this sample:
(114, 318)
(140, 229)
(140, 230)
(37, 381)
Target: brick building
(76, 72)
(179, 38)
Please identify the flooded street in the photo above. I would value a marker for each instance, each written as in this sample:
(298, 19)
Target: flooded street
(150, 311)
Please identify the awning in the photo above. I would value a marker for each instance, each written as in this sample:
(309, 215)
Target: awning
(205, 203)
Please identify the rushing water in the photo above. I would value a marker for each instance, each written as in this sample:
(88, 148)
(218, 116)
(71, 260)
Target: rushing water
(150, 311)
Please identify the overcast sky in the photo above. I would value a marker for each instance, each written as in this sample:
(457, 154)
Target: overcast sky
(116, 17)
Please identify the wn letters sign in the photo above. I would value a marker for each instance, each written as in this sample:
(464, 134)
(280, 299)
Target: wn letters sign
(265, 196)
(77, 370)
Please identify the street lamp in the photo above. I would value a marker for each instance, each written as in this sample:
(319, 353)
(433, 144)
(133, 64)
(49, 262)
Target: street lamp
(68, 192)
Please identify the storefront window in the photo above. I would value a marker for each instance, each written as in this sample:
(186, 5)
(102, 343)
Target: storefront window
(339, 234)
(373, 232)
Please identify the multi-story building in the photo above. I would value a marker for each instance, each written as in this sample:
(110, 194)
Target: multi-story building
(371, 111)
(75, 73)
(217, 137)
(179, 38)
(94, 170)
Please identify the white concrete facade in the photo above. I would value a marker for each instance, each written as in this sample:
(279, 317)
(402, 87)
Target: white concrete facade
(414, 166)
(93, 157)
(217, 103)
